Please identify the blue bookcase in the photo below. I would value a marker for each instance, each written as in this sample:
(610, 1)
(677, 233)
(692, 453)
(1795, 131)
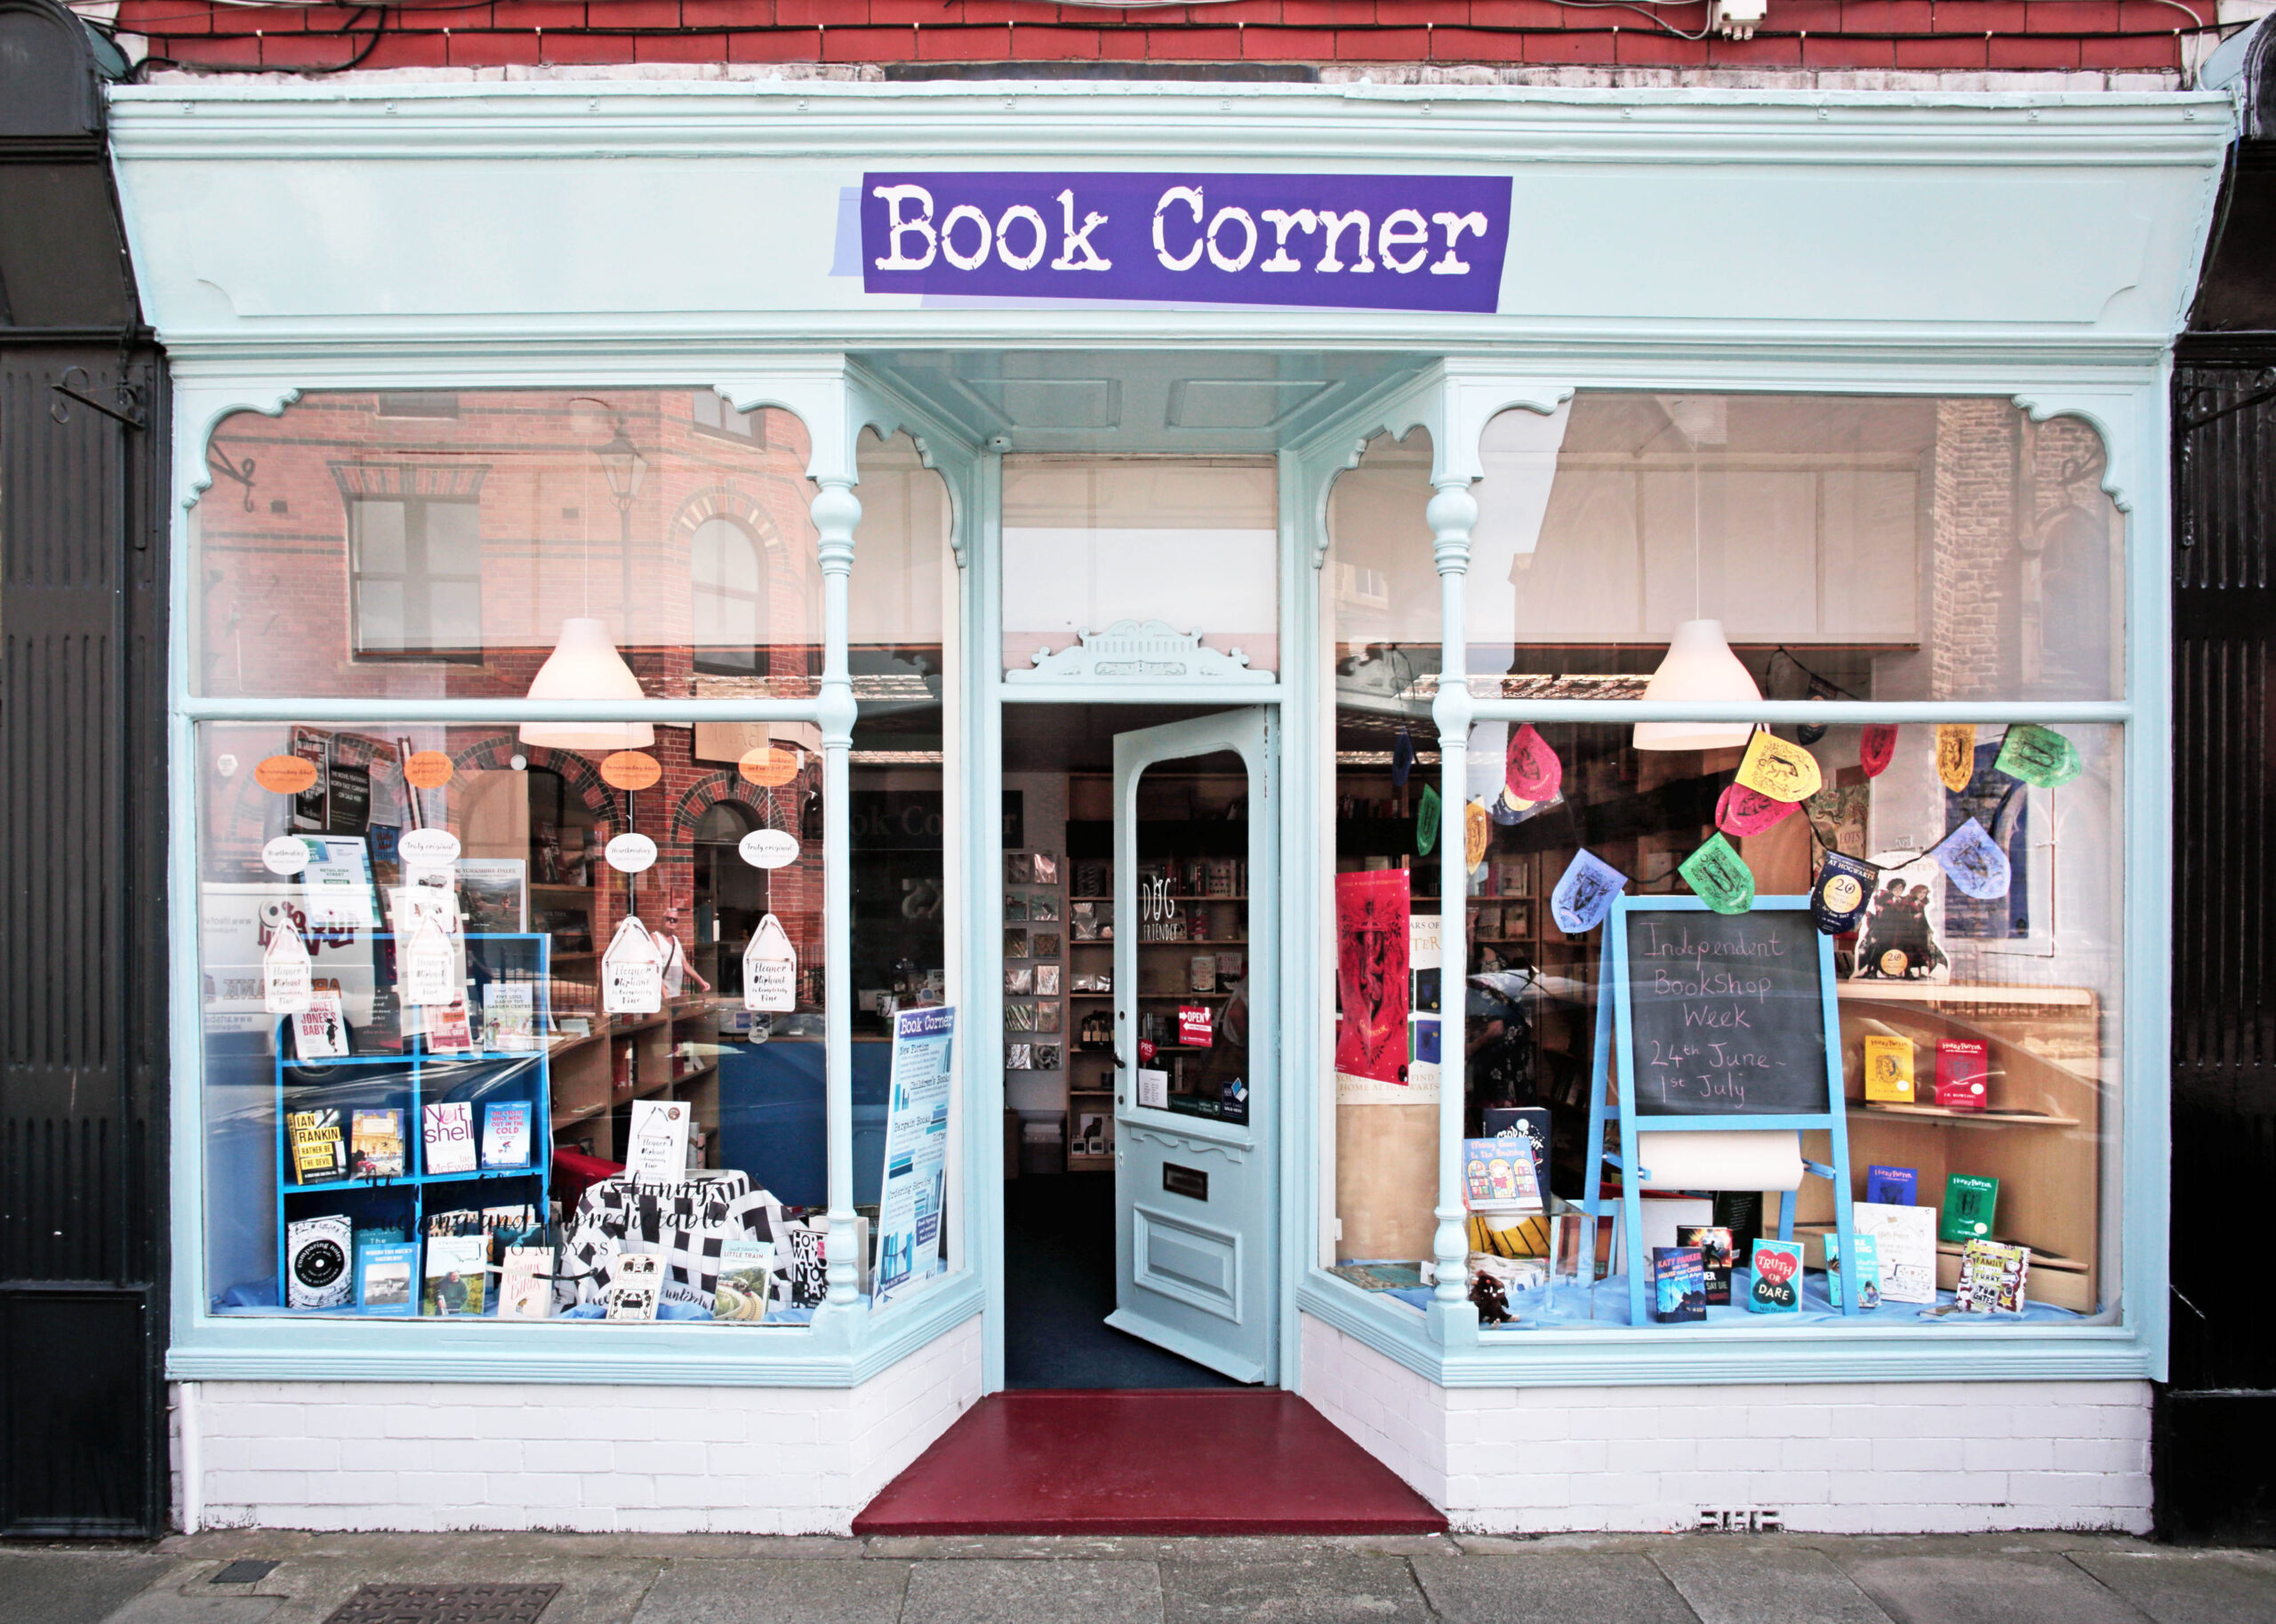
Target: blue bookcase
(405, 1082)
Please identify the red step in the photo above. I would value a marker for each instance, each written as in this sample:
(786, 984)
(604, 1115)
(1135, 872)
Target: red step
(1155, 1461)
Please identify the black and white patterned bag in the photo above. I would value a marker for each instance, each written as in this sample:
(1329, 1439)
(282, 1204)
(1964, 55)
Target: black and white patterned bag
(688, 1221)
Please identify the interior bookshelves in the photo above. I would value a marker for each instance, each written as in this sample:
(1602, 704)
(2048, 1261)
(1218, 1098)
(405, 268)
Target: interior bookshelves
(2040, 1134)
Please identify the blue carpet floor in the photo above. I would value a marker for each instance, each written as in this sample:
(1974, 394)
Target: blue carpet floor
(1058, 1288)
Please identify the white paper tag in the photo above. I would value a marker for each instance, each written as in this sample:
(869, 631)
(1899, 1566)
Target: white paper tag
(287, 988)
(1154, 1088)
(630, 853)
(287, 854)
(768, 848)
(632, 979)
(658, 1151)
(771, 969)
(427, 965)
(428, 848)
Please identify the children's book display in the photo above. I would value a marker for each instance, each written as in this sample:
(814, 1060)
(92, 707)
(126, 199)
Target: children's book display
(401, 1169)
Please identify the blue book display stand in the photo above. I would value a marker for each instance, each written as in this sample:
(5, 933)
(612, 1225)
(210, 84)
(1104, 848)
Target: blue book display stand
(1714, 1023)
(404, 1083)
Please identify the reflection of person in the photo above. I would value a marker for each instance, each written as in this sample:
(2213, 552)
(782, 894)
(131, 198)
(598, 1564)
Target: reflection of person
(1226, 1067)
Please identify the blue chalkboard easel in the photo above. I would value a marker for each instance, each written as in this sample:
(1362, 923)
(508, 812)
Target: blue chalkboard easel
(1615, 1033)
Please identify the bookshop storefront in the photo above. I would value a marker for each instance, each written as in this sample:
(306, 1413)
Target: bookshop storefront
(763, 673)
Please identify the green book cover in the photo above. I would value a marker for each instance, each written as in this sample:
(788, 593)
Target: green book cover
(1969, 1199)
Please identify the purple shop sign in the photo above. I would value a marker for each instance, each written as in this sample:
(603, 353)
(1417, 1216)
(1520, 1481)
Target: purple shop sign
(1342, 242)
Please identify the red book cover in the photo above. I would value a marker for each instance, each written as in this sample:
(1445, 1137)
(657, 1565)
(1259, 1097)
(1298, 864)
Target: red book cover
(1962, 1066)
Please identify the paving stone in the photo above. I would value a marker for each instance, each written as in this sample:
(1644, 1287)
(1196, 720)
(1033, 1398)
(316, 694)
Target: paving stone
(1014, 1592)
(593, 1591)
(2190, 1587)
(174, 1607)
(1319, 1585)
(788, 1591)
(74, 1586)
(1763, 1581)
(2016, 1587)
(1552, 1587)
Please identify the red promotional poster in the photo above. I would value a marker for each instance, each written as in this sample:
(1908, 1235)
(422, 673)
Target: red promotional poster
(1371, 975)
(1530, 768)
(1193, 1025)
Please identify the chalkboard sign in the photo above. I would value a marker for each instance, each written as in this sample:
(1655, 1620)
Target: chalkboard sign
(1728, 1012)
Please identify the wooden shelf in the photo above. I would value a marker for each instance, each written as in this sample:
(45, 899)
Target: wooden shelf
(2040, 1119)
(1177, 997)
(1970, 992)
(1077, 1162)
(1221, 941)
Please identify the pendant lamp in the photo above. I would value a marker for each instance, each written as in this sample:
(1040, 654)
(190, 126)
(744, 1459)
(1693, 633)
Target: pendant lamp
(1699, 666)
(584, 665)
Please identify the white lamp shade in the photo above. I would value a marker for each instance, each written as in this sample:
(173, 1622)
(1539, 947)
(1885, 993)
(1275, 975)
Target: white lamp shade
(1699, 666)
(584, 665)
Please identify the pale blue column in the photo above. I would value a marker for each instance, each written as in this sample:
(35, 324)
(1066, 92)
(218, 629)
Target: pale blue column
(835, 512)
(1452, 514)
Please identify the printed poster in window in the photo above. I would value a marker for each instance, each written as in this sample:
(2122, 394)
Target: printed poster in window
(1372, 987)
(2002, 806)
(336, 886)
(916, 1141)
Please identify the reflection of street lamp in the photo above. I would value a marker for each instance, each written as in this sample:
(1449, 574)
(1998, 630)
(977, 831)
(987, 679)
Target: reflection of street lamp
(625, 466)
(585, 665)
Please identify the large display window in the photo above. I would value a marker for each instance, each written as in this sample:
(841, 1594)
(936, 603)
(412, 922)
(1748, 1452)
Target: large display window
(1916, 925)
(531, 1020)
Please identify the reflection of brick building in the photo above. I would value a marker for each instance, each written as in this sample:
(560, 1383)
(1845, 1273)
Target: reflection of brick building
(429, 546)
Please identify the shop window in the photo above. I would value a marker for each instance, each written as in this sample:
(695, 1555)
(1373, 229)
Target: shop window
(728, 573)
(714, 415)
(418, 403)
(417, 578)
(1733, 549)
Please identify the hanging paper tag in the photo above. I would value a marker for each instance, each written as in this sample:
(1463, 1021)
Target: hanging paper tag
(1718, 876)
(1586, 893)
(1810, 733)
(1741, 811)
(1477, 830)
(1781, 771)
(1402, 758)
(2039, 755)
(287, 855)
(425, 972)
(1845, 884)
(1956, 753)
(1530, 768)
(1973, 861)
(286, 986)
(630, 853)
(427, 848)
(771, 969)
(1875, 746)
(1426, 821)
(632, 973)
(767, 848)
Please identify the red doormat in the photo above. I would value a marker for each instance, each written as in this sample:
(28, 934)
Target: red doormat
(1147, 1462)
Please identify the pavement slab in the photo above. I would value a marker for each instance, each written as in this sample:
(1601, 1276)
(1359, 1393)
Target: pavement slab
(593, 1590)
(779, 1591)
(1552, 1587)
(1762, 1581)
(983, 1591)
(2012, 1587)
(2180, 1586)
(74, 1586)
(1319, 1585)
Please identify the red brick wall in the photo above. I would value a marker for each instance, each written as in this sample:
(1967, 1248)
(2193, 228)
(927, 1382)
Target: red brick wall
(1852, 34)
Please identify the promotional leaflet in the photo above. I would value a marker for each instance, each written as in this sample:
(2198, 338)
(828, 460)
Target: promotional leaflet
(917, 1144)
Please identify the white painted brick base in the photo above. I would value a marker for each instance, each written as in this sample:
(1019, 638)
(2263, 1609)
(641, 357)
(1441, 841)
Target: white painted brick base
(1887, 1457)
(726, 1459)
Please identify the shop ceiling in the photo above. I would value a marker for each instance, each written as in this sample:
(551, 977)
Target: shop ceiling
(1109, 401)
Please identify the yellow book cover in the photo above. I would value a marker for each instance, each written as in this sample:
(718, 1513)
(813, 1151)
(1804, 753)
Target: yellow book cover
(1888, 1071)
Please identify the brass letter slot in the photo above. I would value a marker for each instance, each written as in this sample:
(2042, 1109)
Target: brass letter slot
(1185, 1181)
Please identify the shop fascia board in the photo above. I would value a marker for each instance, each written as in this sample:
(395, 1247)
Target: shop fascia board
(1692, 1355)
(843, 1352)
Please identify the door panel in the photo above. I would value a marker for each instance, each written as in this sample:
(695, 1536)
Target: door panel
(1195, 1170)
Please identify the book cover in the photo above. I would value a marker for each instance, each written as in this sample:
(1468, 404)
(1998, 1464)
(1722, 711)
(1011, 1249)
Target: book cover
(320, 1031)
(1741, 1213)
(1777, 1285)
(1963, 1067)
(524, 1289)
(635, 1283)
(318, 1151)
(506, 1134)
(1716, 1256)
(1892, 1187)
(375, 1144)
(448, 1029)
(1498, 1176)
(386, 1277)
(1905, 1239)
(1529, 1125)
(1991, 1277)
(1888, 1071)
(446, 1137)
(1969, 1200)
(1679, 1286)
(318, 1253)
(457, 1274)
(1868, 1270)
(746, 1277)
(509, 1017)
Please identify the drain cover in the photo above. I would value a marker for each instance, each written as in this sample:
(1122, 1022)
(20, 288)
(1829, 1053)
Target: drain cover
(244, 1571)
(444, 1605)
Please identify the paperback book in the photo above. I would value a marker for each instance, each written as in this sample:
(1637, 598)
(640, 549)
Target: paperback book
(318, 1254)
(320, 1031)
(1905, 1239)
(636, 1283)
(456, 1275)
(506, 1134)
(509, 1017)
(1892, 1187)
(1777, 1284)
(746, 1277)
(375, 1144)
(446, 1139)
(1679, 1286)
(1963, 1067)
(1991, 1277)
(386, 1277)
(319, 1152)
(1888, 1071)
(1970, 1200)
(1716, 1254)
(525, 1288)
(1867, 1270)
(1498, 1176)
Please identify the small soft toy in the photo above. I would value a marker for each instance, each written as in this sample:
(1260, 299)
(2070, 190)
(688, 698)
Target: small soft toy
(1493, 1302)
